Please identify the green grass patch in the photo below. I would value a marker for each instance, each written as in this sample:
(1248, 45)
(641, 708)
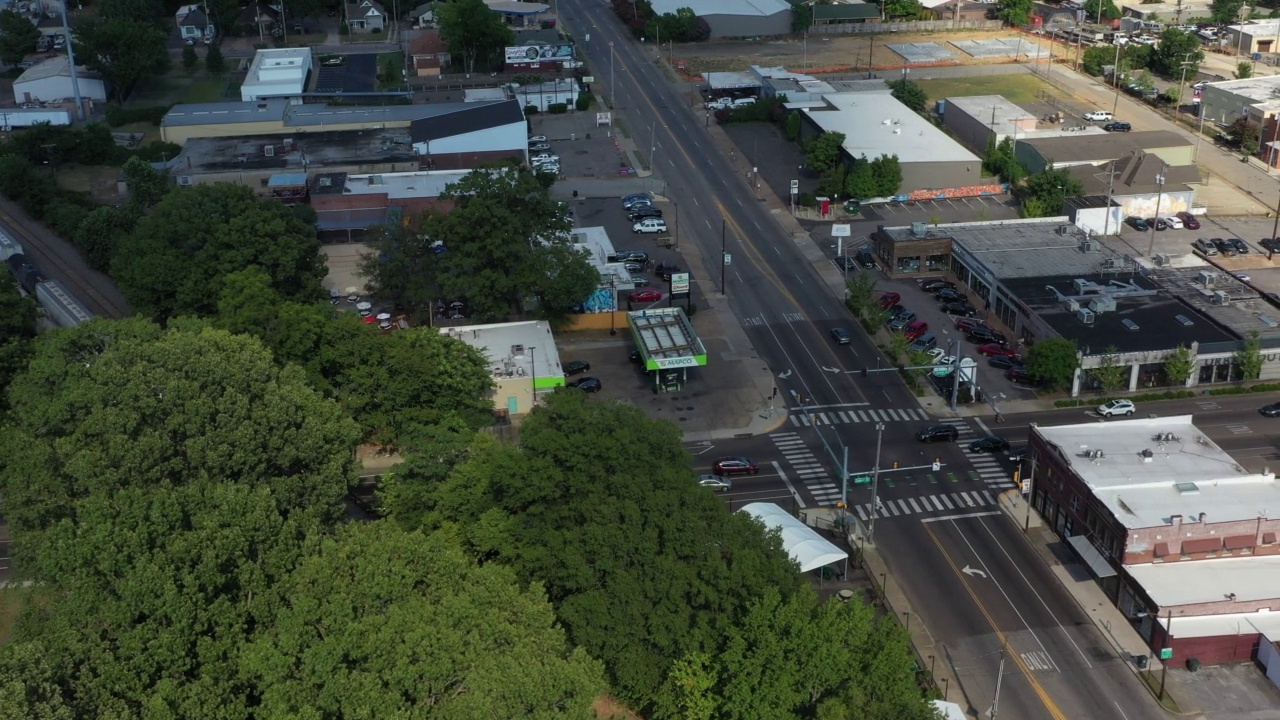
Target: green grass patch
(206, 90)
(178, 88)
(1016, 88)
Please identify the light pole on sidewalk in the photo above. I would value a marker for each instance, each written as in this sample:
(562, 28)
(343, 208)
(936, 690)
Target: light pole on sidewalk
(875, 485)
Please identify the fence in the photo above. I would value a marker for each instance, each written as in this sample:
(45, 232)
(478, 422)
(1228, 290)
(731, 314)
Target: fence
(878, 28)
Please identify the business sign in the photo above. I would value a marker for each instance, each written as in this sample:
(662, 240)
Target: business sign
(525, 54)
(679, 362)
(679, 283)
(841, 230)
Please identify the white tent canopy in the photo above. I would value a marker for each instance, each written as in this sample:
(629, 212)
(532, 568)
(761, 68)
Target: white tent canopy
(805, 546)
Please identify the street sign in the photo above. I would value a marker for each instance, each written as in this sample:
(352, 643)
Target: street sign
(842, 230)
(941, 372)
(1026, 486)
(862, 480)
(1166, 653)
(679, 283)
(795, 186)
(728, 258)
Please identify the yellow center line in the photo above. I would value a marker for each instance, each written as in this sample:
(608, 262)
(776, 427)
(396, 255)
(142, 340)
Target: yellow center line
(1049, 705)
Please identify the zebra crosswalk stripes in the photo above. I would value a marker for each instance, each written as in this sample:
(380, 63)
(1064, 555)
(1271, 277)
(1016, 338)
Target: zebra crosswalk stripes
(807, 467)
(984, 464)
(923, 504)
(808, 418)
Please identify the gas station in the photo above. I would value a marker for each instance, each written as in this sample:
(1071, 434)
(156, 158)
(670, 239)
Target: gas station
(668, 346)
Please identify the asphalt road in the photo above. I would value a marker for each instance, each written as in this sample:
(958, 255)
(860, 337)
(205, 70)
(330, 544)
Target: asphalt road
(1055, 665)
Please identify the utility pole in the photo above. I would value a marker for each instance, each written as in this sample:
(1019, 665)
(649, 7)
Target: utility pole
(723, 257)
(875, 486)
(1177, 104)
(1031, 478)
(1115, 78)
(1159, 194)
(613, 101)
(1111, 190)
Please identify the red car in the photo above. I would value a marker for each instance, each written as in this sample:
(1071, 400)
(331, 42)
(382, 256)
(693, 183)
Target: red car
(965, 324)
(889, 299)
(645, 295)
(916, 329)
(735, 466)
(1189, 221)
(994, 349)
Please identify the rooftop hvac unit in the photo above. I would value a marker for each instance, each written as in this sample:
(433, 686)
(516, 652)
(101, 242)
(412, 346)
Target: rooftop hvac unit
(1162, 260)
(1205, 278)
(919, 229)
(1072, 305)
(1102, 304)
(1085, 316)
(1087, 246)
(517, 350)
(1111, 263)
(1065, 229)
(1220, 298)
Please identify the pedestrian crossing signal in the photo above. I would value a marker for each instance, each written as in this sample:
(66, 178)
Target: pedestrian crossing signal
(895, 464)
(840, 505)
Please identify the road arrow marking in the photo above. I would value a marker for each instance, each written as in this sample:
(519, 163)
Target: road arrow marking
(973, 571)
(784, 374)
(831, 370)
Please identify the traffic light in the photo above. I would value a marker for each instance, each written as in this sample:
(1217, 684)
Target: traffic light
(1017, 476)
(895, 464)
(840, 505)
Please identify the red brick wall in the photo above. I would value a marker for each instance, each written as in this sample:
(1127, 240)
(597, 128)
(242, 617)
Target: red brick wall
(349, 202)
(1141, 545)
(466, 161)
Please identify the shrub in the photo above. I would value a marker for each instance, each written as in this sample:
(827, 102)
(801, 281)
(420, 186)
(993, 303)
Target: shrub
(530, 110)
(805, 199)
(118, 115)
(558, 108)
(583, 102)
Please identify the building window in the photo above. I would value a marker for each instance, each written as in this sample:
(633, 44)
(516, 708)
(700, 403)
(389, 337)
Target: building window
(936, 263)
(959, 270)
(909, 264)
(1075, 503)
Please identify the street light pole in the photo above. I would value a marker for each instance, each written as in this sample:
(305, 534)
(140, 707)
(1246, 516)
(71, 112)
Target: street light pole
(875, 486)
(1168, 638)
(723, 240)
(1115, 79)
(613, 101)
(1159, 194)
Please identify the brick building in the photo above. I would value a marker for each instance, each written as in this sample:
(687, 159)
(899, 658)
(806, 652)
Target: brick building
(1174, 529)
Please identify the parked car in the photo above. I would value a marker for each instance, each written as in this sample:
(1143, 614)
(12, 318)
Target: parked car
(1117, 127)
(1004, 362)
(1172, 222)
(1019, 375)
(645, 211)
(639, 256)
(735, 465)
(633, 268)
(904, 318)
(1270, 244)
(1189, 221)
(664, 270)
(1159, 224)
(715, 482)
(889, 299)
(1137, 223)
(924, 343)
(576, 367)
(840, 336)
(1116, 407)
(650, 225)
(1205, 246)
(1225, 247)
(959, 308)
(1098, 115)
(936, 284)
(946, 295)
(992, 349)
(915, 329)
(989, 444)
(1272, 410)
(966, 324)
(644, 295)
(539, 147)
(865, 258)
(589, 384)
(535, 139)
(934, 433)
(984, 335)
(894, 312)
(844, 262)
(1239, 245)
(630, 200)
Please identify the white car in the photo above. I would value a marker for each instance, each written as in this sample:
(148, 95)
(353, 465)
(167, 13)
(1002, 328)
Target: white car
(543, 159)
(715, 482)
(1098, 115)
(1173, 222)
(650, 225)
(551, 168)
(1116, 407)
(535, 139)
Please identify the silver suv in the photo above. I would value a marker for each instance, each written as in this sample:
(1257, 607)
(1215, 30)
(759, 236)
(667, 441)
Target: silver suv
(1205, 247)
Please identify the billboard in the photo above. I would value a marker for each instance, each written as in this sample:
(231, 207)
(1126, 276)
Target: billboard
(530, 54)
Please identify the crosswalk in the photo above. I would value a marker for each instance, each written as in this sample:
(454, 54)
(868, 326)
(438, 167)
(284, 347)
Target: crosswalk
(987, 467)
(959, 501)
(807, 468)
(809, 417)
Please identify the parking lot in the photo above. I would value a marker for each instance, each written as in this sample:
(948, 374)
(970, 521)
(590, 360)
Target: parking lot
(585, 151)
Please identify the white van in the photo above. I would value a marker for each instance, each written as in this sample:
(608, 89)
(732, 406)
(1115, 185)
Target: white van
(743, 102)
(650, 225)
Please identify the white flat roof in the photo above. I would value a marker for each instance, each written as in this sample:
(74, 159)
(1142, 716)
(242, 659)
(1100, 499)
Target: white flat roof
(1185, 476)
(875, 123)
(425, 184)
(984, 108)
(1259, 88)
(595, 240)
(753, 8)
(731, 80)
(1252, 579)
(274, 66)
(514, 349)
(1197, 626)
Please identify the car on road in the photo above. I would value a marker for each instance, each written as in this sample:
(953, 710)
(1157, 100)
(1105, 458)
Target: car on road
(1159, 224)
(1137, 223)
(915, 329)
(840, 336)
(715, 482)
(903, 319)
(989, 444)
(576, 367)
(650, 225)
(1116, 407)
(1173, 222)
(1272, 410)
(889, 299)
(1120, 126)
(959, 308)
(993, 349)
(1189, 221)
(1239, 245)
(639, 256)
(983, 335)
(936, 284)
(1098, 115)
(934, 433)
(664, 270)
(1004, 362)
(589, 384)
(735, 465)
(644, 295)
(844, 262)
(636, 199)
(1018, 454)
(965, 324)
(1205, 246)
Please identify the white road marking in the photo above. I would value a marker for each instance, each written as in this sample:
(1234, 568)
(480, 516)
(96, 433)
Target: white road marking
(958, 517)
(785, 481)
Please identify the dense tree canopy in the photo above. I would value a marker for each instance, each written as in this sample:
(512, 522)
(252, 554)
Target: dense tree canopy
(123, 49)
(17, 328)
(18, 36)
(1177, 50)
(909, 93)
(472, 30)
(175, 261)
(1043, 193)
(1015, 12)
(1053, 362)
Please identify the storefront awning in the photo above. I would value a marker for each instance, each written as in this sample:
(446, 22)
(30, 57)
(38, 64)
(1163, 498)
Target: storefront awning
(1087, 552)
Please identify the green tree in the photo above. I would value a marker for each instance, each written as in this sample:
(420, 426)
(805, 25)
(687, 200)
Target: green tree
(148, 11)
(823, 152)
(1244, 134)
(472, 31)
(444, 637)
(147, 186)
(834, 181)
(1095, 58)
(189, 59)
(862, 299)
(1107, 9)
(1244, 71)
(1248, 359)
(792, 125)
(689, 693)
(801, 18)
(1225, 11)
(17, 328)
(909, 93)
(1110, 374)
(124, 50)
(1002, 162)
(172, 265)
(1014, 12)
(886, 171)
(101, 231)
(860, 182)
(18, 37)
(1177, 47)
(902, 9)
(1179, 365)
(1053, 362)
(214, 63)
(1042, 194)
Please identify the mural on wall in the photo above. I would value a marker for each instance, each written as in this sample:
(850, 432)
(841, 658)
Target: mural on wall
(1144, 206)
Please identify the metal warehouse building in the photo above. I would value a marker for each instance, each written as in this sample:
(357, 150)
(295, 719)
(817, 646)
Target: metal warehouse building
(735, 18)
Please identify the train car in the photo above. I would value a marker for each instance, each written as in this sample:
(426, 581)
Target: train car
(26, 273)
(8, 246)
(62, 306)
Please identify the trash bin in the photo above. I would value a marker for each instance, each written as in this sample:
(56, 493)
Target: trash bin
(1140, 661)
(1193, 664)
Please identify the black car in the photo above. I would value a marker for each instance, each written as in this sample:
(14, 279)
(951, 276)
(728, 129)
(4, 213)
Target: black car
(1272, 410)
(1239, 245)
(840, 336)
(947, 295)
(865, 258)
(1270, 244)
(1004, 362)
(573, 367)
(1117, 127)
(644, 212)
(959, 308)
(1224, 247)
(1019, 376)
(1137, 223)
(934, 433)
(589, 384)
(664, 270)
(936, 284)
(989, 444)
(894, 311)
(844, 262)
(1159, 224)
(984, 335)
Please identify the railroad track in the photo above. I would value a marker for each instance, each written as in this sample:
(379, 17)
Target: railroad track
(60, 270)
